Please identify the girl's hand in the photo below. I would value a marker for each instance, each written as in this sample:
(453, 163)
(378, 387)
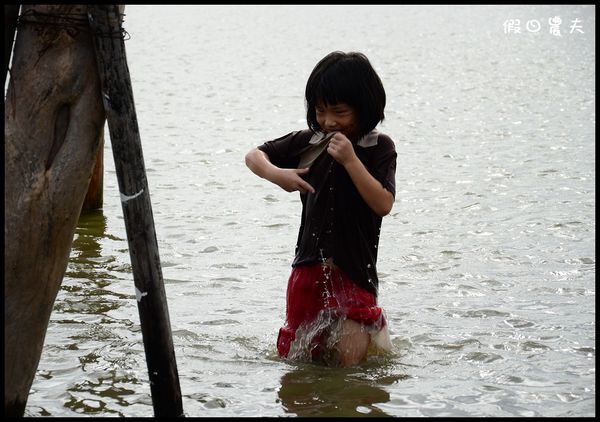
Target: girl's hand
(290, 180)
(341, 149)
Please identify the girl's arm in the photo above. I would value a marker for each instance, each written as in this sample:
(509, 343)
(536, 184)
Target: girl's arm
(288, 179)
(371, 190)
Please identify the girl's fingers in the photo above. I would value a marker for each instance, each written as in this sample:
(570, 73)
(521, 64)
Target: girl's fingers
(308, 188)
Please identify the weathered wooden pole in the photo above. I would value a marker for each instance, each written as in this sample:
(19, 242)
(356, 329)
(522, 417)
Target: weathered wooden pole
(117, 95)
(53, 118)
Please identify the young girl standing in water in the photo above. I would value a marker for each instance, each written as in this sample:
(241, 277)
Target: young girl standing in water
(344, 170)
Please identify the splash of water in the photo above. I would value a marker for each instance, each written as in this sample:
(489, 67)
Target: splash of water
(317, 340)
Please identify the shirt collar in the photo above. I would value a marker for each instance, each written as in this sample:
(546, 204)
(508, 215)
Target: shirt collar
(369, 140)
(318, 138)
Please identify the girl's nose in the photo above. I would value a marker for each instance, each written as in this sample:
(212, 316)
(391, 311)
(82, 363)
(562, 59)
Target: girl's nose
(330, 122)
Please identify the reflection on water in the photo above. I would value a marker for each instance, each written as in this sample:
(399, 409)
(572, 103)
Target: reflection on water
(90, 271)
(91, 228)
(315, 390)
(90, 364)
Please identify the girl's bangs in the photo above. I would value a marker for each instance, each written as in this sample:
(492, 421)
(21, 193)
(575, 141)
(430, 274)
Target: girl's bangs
(330, 89)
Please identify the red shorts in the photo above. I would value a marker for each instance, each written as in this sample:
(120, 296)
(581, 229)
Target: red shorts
(317, 288)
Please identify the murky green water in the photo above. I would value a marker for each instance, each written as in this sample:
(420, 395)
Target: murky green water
(487, 261)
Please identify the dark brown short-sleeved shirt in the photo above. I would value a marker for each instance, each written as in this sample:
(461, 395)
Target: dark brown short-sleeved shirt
(336, 222)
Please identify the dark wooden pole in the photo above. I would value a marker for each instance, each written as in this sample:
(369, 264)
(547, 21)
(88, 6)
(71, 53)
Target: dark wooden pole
(11, 14)
(117, 95)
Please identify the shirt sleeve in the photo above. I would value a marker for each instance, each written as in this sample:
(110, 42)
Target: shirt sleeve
(284, 152)
(385, 164)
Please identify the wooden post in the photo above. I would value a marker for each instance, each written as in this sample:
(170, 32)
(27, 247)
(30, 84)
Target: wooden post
(11, 14)
(53, 117)
(95, 195)
(137, 210)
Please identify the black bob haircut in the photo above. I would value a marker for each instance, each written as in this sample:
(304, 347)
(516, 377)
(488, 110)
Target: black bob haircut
(346, 78)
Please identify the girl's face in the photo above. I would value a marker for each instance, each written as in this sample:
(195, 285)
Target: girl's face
(338, 117)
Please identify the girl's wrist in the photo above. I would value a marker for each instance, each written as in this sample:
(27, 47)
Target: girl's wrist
(352, 163)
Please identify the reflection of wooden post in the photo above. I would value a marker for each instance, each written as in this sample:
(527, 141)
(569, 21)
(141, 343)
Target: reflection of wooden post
(94, 197)
(117, 95)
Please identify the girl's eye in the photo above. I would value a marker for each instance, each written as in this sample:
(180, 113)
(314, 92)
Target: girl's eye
(342, 112)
